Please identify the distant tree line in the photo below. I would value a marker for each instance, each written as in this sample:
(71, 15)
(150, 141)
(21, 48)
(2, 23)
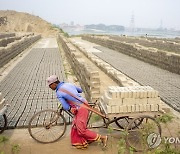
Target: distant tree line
(105, 27)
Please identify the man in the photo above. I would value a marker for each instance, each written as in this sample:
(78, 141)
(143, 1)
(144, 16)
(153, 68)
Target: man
(70, 98)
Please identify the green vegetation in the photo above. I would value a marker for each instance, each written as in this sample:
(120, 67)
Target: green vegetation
(166, 148)
(15, 148)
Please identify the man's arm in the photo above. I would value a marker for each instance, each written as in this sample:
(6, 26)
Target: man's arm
(65, 105)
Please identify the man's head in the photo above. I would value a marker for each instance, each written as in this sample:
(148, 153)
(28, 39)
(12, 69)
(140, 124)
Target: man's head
(53, 81)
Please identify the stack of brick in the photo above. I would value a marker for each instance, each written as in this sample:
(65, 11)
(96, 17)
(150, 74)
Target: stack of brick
(2, 102)
(116, 75)
(166, 60)
(16, 47)
(171, 45)
(131, 99)
(6, 35)
(5, 41)
(87, 75)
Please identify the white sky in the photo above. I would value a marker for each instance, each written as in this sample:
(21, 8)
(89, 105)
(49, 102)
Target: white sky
(147, 13)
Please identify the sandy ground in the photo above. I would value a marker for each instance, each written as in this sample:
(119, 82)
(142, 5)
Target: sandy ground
(24, 22)
(29, 145)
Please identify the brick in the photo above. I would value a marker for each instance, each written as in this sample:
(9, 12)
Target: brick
(121, 109)
(124, 108)
(1, 97)
(152, 107)
(156, 107)
(95, 84)
(114, 109)
(144, 107)
(109, 109)
(133, 109)
(134, 94)
(137, 108)
(129, 108)
(122, 94)
(2, 103)
(141, 108)
(153, 100)
(112, 94)
(128, 101)
(160, 107)
(137, 101)
(143, 101)
(148, 107)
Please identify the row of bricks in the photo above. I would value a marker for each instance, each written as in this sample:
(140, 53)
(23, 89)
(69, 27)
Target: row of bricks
(132, 92)
(159, 58)
(89, 77)
(113, 72)
(2, 101)
(133, 108)
(122, 79)
(131, 101)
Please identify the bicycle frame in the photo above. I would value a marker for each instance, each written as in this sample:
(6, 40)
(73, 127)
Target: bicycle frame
(106, 120)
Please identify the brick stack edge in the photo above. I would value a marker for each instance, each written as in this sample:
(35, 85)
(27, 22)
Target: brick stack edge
(113, 73)
(2, 101)
(163, 59)
(87, 75)
(14, 48)
(131, 99)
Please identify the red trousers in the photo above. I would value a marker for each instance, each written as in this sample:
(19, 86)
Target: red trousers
(80, 135)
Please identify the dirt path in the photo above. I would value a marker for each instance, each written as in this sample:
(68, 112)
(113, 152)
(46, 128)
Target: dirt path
(30, 146)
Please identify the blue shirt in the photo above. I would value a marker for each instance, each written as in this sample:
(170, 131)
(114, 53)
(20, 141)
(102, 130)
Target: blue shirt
(63, 97)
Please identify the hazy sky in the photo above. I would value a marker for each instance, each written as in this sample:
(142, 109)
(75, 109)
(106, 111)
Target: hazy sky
(147, 13)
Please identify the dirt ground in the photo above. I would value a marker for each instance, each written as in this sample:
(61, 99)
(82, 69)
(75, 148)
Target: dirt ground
(24, 22)
(29, 145)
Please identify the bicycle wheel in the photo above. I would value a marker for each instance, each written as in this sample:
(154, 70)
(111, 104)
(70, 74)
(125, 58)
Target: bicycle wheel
(144, 137)
(123, 122)
(47, 126)
(3, 123)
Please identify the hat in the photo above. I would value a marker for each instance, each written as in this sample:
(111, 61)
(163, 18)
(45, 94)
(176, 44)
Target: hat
(52, 79)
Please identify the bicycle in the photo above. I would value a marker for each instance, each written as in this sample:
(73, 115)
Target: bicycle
(48, 126)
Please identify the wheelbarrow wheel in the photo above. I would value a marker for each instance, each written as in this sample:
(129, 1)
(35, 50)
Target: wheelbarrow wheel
(144, 137)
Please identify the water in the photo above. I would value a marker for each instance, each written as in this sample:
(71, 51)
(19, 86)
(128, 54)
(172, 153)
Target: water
(159, 34)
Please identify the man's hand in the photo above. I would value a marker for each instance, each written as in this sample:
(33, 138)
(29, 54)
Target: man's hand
(74, 110)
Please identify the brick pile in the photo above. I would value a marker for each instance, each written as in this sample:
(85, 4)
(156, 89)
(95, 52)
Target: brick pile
(163, 59)
(2, 101)
(5, 41)
(6, 35)
(16, 47)
(116, 75)
(87, 75)
(171, 45)
(130, 99)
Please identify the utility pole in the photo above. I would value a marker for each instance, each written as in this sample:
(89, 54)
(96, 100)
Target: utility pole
(132, 23)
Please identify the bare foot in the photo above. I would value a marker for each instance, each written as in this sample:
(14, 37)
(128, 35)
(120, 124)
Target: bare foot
(104, 140)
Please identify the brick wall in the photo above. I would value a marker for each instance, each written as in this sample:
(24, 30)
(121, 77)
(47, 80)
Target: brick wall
(87, 75)
(117, 76)
(13, 49)
(5, 41)
(166, 60)
(130, 99)
(5, 35)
